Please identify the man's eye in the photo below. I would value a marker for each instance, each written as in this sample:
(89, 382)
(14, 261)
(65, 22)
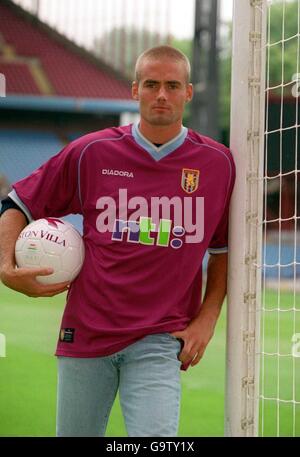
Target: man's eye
(173, 85)
(150, 84)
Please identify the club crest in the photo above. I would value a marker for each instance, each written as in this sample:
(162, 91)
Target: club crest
(190, 180)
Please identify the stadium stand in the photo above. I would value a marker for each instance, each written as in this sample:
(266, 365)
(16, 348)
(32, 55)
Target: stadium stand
(41, 65)
(19, 78)
(285, 257)
(22, 152)
(70, 70)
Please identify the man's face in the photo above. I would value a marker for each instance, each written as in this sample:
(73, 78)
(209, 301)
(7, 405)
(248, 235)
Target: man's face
(162, 91)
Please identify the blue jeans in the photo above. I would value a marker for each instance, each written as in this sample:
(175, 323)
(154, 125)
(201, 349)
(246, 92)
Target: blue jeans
(147, 374)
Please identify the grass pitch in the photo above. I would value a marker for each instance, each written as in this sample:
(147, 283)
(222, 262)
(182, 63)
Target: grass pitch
(28, 373)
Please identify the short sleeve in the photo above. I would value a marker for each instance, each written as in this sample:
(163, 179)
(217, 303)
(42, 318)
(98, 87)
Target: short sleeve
(52, 189)
(219, 241)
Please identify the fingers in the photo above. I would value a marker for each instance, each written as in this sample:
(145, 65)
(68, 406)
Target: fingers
(185, 355)
(186, 352)
(24, 281)
(197, 358)
(53, 289)
(35, 271)
(47, 294)
(43, 271)
(51, 294)
(191, 354)
(44, 290)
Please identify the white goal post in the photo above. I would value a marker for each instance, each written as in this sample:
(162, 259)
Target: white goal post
(245, 237)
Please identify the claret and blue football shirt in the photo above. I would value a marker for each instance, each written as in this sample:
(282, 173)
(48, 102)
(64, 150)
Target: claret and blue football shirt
(149, 215)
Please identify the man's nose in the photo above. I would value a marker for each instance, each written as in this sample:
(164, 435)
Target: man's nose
(161, 95)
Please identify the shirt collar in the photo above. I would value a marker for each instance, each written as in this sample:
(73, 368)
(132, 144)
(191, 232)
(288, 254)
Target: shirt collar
(158, 153)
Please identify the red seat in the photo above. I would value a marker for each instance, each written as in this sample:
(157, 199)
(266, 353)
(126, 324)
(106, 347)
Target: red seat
(69, 74)
(19, 79)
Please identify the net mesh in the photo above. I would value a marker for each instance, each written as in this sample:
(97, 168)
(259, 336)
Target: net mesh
(280, 312)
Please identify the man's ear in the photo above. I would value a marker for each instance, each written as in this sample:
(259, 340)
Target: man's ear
(189, 93)
(135, 90)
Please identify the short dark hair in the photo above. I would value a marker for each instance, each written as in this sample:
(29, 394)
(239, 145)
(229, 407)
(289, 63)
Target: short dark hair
(159, 52)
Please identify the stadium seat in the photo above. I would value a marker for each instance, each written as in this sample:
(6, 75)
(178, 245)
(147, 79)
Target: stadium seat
(19, 80)
(69, 74)
(285, 256)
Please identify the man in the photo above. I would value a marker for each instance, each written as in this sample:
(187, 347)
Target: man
(154, 197)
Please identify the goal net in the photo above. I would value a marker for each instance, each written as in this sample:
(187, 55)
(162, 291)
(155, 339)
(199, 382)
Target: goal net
(280, 323)
(263, 345)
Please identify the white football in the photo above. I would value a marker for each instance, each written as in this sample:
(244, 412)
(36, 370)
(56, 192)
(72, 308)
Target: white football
(53, 243)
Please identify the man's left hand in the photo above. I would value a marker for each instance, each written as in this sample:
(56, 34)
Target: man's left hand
(195, 337)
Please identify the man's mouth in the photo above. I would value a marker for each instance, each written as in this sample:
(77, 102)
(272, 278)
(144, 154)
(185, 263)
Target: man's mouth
(162, 108)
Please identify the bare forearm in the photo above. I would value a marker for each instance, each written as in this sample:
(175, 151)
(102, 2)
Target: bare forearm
(22, 280)
(200, 330)
(12, 223)
(216, 286)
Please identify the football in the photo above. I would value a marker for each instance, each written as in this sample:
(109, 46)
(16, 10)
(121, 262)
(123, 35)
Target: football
(53, 243)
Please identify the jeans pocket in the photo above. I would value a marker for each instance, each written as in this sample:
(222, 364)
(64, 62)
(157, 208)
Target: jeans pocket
(180, 343)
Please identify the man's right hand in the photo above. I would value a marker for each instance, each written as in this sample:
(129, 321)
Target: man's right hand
(24, 280)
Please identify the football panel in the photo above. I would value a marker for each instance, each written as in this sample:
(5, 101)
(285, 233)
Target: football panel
(55, 244)
(51, 261)
(30, 255)
(19, 244)
(54, 278)
(72, 259)
(73, 238)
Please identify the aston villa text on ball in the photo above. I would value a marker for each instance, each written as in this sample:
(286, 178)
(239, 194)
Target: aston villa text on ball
(43, 234)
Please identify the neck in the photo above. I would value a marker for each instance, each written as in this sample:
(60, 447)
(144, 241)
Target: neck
(159, 134)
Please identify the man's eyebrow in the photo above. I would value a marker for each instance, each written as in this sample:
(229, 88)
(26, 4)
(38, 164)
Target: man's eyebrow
(167, 82)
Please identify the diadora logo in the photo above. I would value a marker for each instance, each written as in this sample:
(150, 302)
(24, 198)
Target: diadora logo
(125, 174)
(142, 232)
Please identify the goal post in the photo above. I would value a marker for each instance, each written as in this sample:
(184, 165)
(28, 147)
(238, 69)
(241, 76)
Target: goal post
(246, 214)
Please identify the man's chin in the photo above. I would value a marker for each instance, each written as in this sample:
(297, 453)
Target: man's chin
(161, 120)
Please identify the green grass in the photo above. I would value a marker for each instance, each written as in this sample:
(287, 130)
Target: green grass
(280, 376)
(28, 373)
